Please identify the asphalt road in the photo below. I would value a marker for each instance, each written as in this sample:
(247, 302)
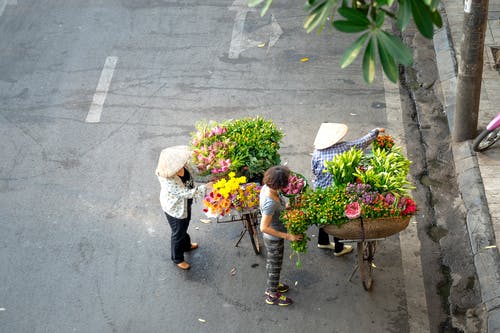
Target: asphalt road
(84, 244)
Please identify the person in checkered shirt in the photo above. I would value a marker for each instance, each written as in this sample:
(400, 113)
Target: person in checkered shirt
(327, 144)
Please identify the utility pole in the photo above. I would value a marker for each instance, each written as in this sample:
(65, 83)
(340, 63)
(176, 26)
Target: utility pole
(470, 70)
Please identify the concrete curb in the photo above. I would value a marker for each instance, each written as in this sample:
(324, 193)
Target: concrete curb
(479, 224)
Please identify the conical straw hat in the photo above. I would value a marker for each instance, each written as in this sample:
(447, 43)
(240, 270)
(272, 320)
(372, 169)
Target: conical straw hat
(172, 159)
(329, 134)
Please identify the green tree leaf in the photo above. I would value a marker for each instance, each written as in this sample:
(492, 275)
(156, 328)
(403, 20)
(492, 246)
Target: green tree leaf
(266, 7)
(388, 64)
(436, 18)
(353, 50)
(369, 62)
(349, 26)
(311, 3)
(381, 3)
(434, 4)
(395, 46)
(318, 15)
(404, 14)
(355, 15)
(312, 22)
(255, 3)
(368, 17)
(380, 19)
(423, 18)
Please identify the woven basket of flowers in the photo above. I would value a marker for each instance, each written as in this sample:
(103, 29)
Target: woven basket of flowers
(368, 228)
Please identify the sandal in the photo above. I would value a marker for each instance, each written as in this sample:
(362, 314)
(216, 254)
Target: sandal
(184, 265)
(194, 246)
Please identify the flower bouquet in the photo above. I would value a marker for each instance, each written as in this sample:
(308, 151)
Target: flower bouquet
(385, 142)
(210, 147)
(296, 185)
(247, 147)
(231, 194)
(235, 153)
(296, 222)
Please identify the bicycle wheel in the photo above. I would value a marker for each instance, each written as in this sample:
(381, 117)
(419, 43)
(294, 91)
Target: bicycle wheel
(250, 225)
(486, 139)
(366, 251)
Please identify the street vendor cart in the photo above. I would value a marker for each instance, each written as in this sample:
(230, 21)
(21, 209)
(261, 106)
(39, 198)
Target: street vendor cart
(234, 154)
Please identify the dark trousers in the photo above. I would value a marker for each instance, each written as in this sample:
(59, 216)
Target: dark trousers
(274, 261)
(180, 241)
(324, 239)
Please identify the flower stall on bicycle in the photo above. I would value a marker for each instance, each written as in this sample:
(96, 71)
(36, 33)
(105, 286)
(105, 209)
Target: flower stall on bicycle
(368, 201)
(235, 154)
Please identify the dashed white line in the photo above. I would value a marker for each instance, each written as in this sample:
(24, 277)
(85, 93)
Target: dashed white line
(94, 115)
(4, 3)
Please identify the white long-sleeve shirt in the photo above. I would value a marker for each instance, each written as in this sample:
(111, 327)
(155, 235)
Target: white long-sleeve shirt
(174, 196)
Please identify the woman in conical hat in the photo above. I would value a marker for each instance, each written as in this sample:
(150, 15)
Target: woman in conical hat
(327, 144)
(176, 197)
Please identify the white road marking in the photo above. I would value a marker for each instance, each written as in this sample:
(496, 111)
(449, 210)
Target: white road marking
(94, 115)
(241, 9)
(275, 32)
(241, 41)
(416, 302)
(4, 3)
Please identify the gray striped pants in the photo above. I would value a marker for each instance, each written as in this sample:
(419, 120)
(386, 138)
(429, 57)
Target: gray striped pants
(274, 262)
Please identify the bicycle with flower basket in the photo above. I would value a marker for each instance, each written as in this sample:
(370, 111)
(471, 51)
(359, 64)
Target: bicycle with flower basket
(368, 201)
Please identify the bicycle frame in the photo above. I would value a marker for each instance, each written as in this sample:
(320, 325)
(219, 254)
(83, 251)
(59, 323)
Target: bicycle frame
(494, 123)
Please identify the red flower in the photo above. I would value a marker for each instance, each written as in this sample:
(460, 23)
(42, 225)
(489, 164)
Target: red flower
(410, 208)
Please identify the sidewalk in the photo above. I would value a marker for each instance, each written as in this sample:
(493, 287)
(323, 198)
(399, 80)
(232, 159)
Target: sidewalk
(476, 173)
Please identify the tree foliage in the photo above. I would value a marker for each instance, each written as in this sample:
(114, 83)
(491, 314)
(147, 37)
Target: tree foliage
(367, 18)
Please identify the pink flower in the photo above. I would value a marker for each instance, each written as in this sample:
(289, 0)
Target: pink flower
(295, 185)
(353, 210)
(225, 164)
(218, 130)
(389, 198)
